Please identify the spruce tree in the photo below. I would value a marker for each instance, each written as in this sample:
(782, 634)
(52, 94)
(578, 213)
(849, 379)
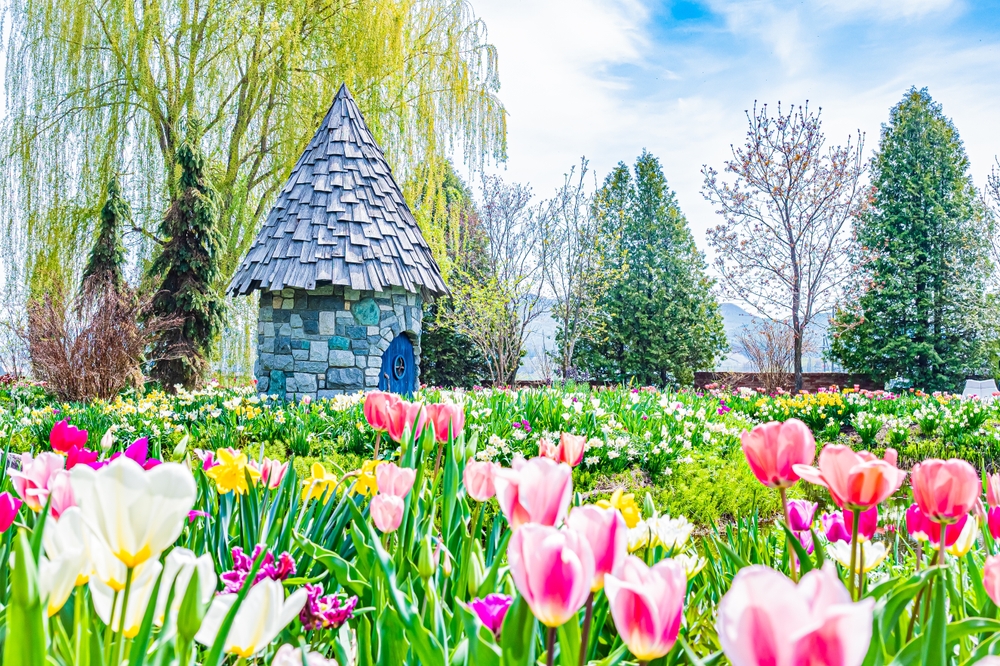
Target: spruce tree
(917, 310)
(660, 320)
(108, 254)
(185, 270)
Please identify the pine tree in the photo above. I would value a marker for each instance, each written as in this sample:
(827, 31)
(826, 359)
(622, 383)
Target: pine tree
(108, 254)
(660, 320)
(185, 270)
(919, 305)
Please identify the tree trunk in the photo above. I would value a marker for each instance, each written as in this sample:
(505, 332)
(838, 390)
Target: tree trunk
(797, 334)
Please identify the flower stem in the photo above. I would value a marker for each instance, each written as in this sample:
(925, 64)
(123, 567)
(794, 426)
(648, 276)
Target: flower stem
(550, 648)
(437, 460)
(588, 617)
(378, 438)
(854, 554)
(792, 560)
(121, 617)
(941, 546)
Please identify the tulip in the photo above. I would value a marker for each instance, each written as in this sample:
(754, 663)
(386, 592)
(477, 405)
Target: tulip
(448, 420)
(945, 490)
(139, 452)
(765, 619)
(137, 513)
(855, 480)
(63, 437)
(491, 610)
(478, 480)
(571, 449)
(31, 482)
(271, 472)
(773, 449)
(552, 569)
(992, 487)
(646, 604)
(292, 656)
(140, 591)
(69, 532)
(966, 538)
(386, 512)
(607, 536)
(922, 528)
(260, 618)
(376, 409)
(179, 569)
(872, 554)
(406, 419)
(77, 456)
(65, 563)
(546, 449)
(536, 491)
(838, 526)
(991, 578)
(394, 480)
(993, 521)
(834, 527)
(9, 506)
(60, 493)
(800, 515)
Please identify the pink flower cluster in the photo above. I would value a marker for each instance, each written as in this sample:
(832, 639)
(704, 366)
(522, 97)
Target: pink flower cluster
(394, 484)
(326, 611)
(279, 569)
(390, 414)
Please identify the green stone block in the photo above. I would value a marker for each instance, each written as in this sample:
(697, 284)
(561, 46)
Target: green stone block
(366, 312)
(339, 342)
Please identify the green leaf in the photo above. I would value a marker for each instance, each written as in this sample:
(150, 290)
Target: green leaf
(517, 636)
(27, 640)
(935, 650)
(392, 644)
(805, 560)
(481, 648)
(214, 657)
(569, 642)
(345, 572)
(140, 645)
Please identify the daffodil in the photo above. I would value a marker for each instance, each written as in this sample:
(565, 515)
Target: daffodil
(366, 484)
(625, 503)
(231, 470)
(691, 562)
(318, 484)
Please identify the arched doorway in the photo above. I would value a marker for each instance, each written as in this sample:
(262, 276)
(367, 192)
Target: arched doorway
(399, 372)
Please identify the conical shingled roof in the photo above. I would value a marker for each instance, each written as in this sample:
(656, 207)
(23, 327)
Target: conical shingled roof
(340, 219)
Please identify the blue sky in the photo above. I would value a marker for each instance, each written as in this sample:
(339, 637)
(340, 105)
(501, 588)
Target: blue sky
(608, 78)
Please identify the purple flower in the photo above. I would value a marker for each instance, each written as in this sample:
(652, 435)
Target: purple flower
(192, 515)
(806, 539)
(800, 515)
(242, 563)
(517, 425)
(833, 525)
(139, 452)
(326, 612)
(491, 610)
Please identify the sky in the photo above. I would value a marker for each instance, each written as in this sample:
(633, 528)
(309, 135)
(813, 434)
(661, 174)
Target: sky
(606, 79)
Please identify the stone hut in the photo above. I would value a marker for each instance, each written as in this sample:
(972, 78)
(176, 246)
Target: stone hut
(343, 269)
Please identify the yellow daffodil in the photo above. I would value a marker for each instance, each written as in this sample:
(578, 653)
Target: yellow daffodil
(318, 484)
(366, 484)
(625, 503)
(231, 470)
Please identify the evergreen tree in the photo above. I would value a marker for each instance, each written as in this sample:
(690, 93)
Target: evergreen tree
(185, 270)
(108, 254)
(448, 358)
(660, 320)
(918, 305)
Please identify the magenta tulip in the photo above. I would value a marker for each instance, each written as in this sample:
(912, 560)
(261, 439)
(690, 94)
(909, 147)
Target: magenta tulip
(993, 521)
(991, 578)
(386, 512)
(945, 490)
(63, 437)
(607, 536)
(646, 604)
(77, 456)
(31, 482)
(771, 450)
(834, 527)
(800, 515)
(552, 569)
(922, 528)
(478, 480)
(9, 506)
(394, 480)
(491, 611)
(766, 620)
(534, 491)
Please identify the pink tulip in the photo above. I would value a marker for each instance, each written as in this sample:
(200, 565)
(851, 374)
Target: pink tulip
(139, 452)
(920, 527)
(992, 487)
(271, 472)
(63, 437)
(60, 493)
(945, 490)
(553, 570)
(993, 521)
(855, 480)
(478, 479)
(607, 536)
(840, 525)
(491, 610)
(534, 491)
(77, 456)
(547, 449)
(376, 409)
(31, 482)
(386, 512)
(9, 506)
(991, 578)
(800, 515)
(766, 620)
(773, 449)
(406, 417)
(394, 480)
(646, 604)
(447, 420)
(571, 449)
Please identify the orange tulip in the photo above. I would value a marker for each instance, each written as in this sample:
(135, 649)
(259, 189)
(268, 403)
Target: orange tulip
(855, 480)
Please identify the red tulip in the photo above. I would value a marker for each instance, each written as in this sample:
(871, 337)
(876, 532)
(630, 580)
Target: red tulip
(991, 578)
(9, 506)
(766, 620)
(773, 449)
(945, 490)
(447, 420)
(376, 409)
(386, 512)
(553, 570)
(534, 491)
(406, 418)
(63, 437)
(394, 480)
(646, 604)
(478, 480)
(992, 487)
(855, 480)
(607, 535)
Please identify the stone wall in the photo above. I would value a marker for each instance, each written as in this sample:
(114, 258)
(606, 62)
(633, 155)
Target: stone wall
(330, 340)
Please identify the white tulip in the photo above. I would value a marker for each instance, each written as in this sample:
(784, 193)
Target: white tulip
(137, 513)
(178, 569)
(143, 581)
(57, 577)
(264, 613)
(292, 656)
(872, 554)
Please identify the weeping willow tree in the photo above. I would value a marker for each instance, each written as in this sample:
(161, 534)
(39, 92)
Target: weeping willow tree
(98, 88)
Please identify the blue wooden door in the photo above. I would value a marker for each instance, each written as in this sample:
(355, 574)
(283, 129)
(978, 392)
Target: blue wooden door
(399, 372)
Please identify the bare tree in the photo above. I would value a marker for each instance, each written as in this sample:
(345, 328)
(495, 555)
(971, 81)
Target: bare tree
(575, 270)
(770, 347)
(783, 245)
(495, 300)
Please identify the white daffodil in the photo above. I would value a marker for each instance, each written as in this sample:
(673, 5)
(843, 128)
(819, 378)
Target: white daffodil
(181, 564)
(261, 617)
(671, 533)
(143, 581)
(691, 562)
(639, 536)
(872, 554)
(137, 513)
(967, 539)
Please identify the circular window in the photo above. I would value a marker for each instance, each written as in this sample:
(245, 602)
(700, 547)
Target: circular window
(399, 367)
